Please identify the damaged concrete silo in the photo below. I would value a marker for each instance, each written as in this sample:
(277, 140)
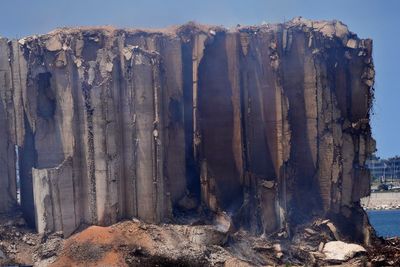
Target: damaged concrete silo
(269, 124)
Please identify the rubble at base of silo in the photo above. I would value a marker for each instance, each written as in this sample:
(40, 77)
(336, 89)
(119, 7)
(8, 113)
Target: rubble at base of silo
(135, 243)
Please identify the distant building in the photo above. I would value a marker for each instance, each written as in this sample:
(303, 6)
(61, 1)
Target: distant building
(384, 169)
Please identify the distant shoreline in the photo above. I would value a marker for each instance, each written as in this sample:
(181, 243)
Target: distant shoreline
(382, 208)
(389, 209)
(388, 200)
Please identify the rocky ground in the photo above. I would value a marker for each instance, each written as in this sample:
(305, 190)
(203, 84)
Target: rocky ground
(134, 243)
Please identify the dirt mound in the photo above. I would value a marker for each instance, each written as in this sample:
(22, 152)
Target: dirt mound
(132, 243)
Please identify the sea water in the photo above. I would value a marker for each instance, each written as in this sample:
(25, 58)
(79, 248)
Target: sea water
(385, 222)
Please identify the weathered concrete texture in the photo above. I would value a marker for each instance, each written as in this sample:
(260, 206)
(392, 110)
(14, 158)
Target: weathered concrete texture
(7, 135)
(269, 124)
(54, 199)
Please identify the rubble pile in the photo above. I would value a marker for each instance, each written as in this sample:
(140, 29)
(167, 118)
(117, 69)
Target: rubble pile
(385, 252)
(135, 243)
(20, 244)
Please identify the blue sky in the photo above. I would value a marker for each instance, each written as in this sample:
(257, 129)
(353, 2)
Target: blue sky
(376, 19)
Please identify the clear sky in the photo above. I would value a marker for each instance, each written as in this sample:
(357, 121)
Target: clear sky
(376, 19)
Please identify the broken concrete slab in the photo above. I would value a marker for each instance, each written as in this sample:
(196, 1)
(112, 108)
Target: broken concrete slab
(54, 43)
(54, 194)
(341, 251)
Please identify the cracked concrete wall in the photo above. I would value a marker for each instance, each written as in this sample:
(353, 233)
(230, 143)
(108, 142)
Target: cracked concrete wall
(269, 124)
(8, 192)
(55, 209)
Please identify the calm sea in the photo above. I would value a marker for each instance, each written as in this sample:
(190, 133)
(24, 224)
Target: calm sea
(385, 222)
